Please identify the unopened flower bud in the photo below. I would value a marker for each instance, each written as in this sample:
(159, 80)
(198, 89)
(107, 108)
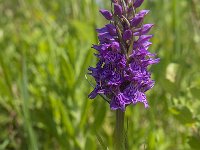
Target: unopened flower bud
(118, 10)
(106, 14)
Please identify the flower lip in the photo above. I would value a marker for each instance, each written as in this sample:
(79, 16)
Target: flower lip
(115, 46)
(118, 102)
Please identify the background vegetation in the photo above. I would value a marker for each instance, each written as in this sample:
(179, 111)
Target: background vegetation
(44, 55)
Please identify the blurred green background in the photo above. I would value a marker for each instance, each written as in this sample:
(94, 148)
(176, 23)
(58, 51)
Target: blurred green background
(44, 55)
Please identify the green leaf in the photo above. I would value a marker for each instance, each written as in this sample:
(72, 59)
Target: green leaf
(90, 143)
(61, 115)
(84, 67)
(4, 144)
(101, 142)
(68, 71)
(84, 114)
(183, 115)
(195, 92)
(169, 86)
(100, 113)
(82, 31)
(194, 142)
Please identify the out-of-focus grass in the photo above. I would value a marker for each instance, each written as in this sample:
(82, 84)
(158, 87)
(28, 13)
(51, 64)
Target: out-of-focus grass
(44, 55)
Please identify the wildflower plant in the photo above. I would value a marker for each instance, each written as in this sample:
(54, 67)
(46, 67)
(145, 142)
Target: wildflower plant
(121, 73)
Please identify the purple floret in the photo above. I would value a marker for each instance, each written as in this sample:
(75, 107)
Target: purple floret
(121, 73)
(118, 10)
(137, 3)
(106, 14)
(127, 35)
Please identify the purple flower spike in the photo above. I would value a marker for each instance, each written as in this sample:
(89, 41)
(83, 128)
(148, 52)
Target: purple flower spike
(138, 3)
(118, 10)
(122, 74)
(106, 14)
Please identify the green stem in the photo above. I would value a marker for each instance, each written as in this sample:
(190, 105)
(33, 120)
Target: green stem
(119, 138)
